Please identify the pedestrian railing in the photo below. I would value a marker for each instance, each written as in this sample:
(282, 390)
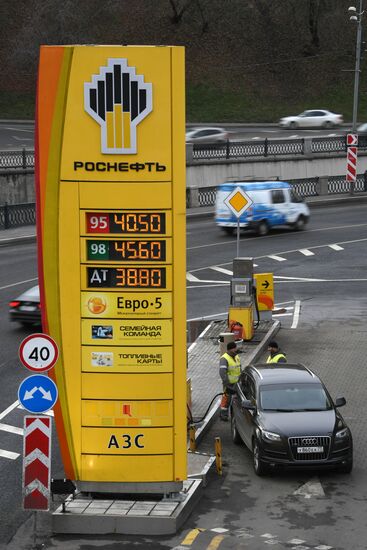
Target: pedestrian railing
(16, 215)
(306, 187)
(17, 159)
(229, 150)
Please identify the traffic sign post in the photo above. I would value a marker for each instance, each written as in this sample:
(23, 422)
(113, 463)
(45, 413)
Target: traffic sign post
(37, 393)
(38, 352)
(36, 463)
(352, 148)
(238, 202)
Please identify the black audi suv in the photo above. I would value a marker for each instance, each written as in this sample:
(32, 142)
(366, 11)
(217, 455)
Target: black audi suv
(286, 417)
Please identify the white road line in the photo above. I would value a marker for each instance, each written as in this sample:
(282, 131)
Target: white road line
(190, 277)
(9, 409)
(277, 258)
(220, 243)
(222, 270)
(47, 413)
(9, 454)
(306, 252)
(208, 286)
(297, 309)
(304, 279)
(11, 429)
(335, 247)
(282, 303)
(20, 283)
(225, 313)
(191, 347)
(312, 488)
(282, 314)
(22, 139)
(20, 130)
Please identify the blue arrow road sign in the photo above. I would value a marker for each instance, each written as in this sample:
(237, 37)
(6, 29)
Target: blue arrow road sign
(37, 393)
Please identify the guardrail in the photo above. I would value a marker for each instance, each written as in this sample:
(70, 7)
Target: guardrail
(306, 187)
(17, 215)
(232, 150)
(229, 150)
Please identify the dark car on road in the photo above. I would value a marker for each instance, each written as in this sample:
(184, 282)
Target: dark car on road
(286, 417)
(26, 308)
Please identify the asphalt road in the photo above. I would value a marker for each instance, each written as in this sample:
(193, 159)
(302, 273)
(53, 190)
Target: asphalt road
(19, 135)
(320, 274)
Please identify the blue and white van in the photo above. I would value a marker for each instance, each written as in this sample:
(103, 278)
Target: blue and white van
(273, 203)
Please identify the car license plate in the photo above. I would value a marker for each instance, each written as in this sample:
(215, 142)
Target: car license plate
(27, 308)
(305, 450)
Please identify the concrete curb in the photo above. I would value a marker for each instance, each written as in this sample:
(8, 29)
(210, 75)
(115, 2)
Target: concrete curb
(18, 240)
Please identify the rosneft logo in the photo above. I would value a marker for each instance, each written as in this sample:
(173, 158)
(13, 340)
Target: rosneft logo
(118, 100)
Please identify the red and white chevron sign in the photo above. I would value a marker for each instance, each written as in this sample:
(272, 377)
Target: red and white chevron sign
(352, 139)
(351, 163)
(36, 462)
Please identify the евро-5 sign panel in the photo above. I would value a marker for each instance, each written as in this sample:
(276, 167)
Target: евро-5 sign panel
(137, 305)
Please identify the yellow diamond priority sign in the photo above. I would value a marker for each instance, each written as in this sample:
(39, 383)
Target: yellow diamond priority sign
(238, 201)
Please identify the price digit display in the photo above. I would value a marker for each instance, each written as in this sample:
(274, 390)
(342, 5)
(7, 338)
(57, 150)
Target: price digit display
(126, 277)
(127, 250)
(139, 223)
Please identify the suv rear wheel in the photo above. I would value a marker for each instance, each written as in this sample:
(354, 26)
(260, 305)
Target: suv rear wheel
(236, 438)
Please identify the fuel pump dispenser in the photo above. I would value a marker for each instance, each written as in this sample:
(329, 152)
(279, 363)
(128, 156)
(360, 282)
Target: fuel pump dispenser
(240, 318)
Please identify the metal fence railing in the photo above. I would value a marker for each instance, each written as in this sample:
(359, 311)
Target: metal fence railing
(17, 159)
(229, 150)
(16, 215)
(306, 187)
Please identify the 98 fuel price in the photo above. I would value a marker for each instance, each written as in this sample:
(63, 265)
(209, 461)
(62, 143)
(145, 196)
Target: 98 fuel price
(126, 250)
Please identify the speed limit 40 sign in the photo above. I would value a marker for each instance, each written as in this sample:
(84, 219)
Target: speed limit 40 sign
(38, 352)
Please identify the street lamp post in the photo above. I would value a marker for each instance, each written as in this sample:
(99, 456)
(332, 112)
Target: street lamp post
(357, 17)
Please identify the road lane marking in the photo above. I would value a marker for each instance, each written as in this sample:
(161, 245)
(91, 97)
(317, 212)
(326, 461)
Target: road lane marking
(306, 252)
(220, 243)
(9, 409)
(48, 413)
(16, 284)
(215, 542)
(277, 258)
(209, 286)
(20, 130)
(191, 536)
(190, 277)
(297, 309)
(335, 247)
(22, 138)
(222, 270)
(9, 454)
(11, 429)
(312, 488)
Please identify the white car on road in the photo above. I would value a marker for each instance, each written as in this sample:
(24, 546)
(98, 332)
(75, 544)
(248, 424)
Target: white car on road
(206, 135)
(317, 118)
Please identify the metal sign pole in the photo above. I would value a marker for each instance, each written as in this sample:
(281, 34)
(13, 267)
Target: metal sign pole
(238, 237)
